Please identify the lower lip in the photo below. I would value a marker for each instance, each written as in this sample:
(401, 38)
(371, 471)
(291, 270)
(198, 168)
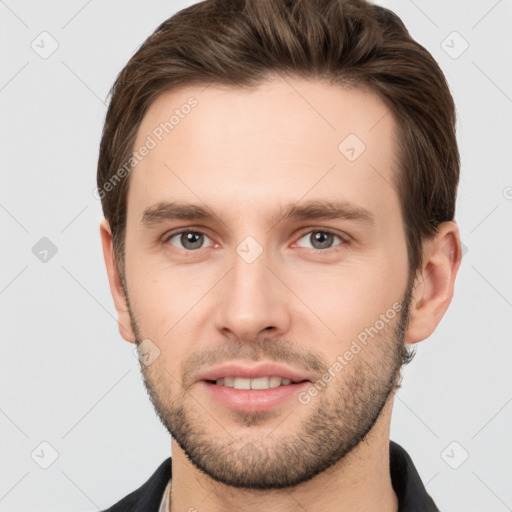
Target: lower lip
(253, 400)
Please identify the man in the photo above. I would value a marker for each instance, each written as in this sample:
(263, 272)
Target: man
(278, 180)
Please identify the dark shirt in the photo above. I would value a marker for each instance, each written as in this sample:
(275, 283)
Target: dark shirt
(411, 494)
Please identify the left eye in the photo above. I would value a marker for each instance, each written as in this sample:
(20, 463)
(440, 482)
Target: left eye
(189, 240)
(321, 239)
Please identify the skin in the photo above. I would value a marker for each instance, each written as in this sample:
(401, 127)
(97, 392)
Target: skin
(245, 153)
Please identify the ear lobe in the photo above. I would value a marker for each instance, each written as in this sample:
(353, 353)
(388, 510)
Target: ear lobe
(434, 284)
(116, 288)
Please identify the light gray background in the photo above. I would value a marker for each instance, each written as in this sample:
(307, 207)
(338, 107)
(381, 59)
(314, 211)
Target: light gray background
(68, 379)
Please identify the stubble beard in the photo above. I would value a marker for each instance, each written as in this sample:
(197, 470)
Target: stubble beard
(339, 418)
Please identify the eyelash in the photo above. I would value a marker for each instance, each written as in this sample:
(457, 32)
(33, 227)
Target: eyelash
(344, 240)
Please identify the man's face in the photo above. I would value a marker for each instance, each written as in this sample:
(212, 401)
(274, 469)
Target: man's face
(250, 285)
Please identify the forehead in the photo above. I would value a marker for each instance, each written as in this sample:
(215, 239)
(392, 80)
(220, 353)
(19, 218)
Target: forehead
(249, 151)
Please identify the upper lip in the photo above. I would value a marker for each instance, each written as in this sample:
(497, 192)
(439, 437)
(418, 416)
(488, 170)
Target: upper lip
(253, 372)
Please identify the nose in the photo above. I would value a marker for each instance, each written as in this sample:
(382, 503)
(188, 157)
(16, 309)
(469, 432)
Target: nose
(253, 302)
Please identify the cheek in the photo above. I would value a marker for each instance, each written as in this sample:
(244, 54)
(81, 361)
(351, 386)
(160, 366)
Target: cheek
(344, 299)
(152, 296)
(159, 304)
(168, 301)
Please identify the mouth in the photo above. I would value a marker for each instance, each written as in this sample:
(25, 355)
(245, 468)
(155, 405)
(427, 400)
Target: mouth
(258, 383)
(264, 375)
(253, 395)
(250, 389)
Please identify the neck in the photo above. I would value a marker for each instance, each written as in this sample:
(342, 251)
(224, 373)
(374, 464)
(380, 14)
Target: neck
(359, 482)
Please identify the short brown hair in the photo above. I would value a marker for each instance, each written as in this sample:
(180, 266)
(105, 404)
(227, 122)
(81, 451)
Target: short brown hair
(347, 42)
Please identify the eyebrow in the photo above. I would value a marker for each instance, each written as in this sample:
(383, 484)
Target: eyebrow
(305, 210)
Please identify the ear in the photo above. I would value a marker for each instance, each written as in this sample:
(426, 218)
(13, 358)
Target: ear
(123, 316)
(434, 284)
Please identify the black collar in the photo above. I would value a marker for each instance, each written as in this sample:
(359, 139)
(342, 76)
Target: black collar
(410, 491)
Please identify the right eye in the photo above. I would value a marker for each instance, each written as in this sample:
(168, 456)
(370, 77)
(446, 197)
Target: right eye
(190, 240)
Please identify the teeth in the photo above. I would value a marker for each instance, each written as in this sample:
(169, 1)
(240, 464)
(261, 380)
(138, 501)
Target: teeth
(258, 383)
(242, 383)
(274, 382)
